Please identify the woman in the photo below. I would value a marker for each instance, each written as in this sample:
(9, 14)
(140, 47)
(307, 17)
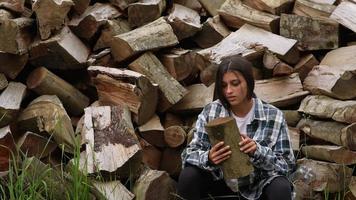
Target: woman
(264, 138)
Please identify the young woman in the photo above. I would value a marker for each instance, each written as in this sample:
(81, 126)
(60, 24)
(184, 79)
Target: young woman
(264, 138)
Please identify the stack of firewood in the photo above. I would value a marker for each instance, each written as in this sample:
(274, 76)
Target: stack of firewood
(127, 78)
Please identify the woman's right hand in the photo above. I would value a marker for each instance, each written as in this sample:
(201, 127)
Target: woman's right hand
(219, 152)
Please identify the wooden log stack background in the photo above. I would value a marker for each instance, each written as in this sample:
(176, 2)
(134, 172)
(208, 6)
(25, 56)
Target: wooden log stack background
(127, 79)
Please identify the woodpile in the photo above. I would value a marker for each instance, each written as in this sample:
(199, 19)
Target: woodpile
(122, 81)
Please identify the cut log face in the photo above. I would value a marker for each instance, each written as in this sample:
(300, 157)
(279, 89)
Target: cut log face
(155, 35)
(7, 145)
(62, 51)
(118, 87)
(305, 65)
(335, 154)
(145, 11)
(345, 14)
(51, 15)
(184, 21)
(235, 14)
(225, 129)
(212, 32)
(112, 145)
(197, 97)
(212, 6)
(13, 5)
(174, 136)
(113, 190)
(327, 176)
(275, 7)
(311, 33)
(326, 107)
(281, 91)
(46, 115)
(149, 65)
(151, 155)
(86, 25)
(122, 4)
(80, 6)
(42, 81)
(171, 161)
(12, 64)
(153, 132)
(32, 144)
(308, 8)
(10, 102)
(334, 132)
(15, 35)
(110, 29)
(153, 184)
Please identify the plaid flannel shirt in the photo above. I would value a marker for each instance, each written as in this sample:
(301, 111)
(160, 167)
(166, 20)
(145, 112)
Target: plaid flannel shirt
(273, 157)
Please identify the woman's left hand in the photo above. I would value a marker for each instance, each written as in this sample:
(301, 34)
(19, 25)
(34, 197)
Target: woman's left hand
(247, 145)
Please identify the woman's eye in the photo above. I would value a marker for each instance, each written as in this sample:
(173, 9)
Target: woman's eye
(235, 83)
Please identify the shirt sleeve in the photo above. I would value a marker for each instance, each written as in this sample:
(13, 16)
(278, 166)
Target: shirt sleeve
(279, 157)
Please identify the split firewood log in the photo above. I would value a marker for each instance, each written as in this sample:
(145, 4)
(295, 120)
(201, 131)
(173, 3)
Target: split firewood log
(171, 161)
(80, 6)
(292, 117)
(192, 4)
(279, 68)
(122, 4)
(305, 65)
(155, 35)
(145, 11)
(235, 14)
(5, 14)
(12, 64)
(113, 190)
(329, 153)
(151, 155)
(334, 132)
(352, 189)
(311, 33)
(42, 81)
(121, 86)
(308, 8)
(62, 51)
(345, 14)
(212, 6)
(294, 135)
(111, 143)
(13, 5)
(51, 15)
(171, 119)
(7, 149)
(154, 184)
(275, 7)
(10, 102)
(3, 81)
(32, 144)
(87, 24)
(153, 132)
(340, 57)
(174, 136)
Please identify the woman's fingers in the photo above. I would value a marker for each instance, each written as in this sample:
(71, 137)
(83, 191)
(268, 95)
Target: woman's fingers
(221, 157)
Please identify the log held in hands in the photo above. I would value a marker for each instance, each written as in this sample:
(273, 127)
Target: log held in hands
(225, 129)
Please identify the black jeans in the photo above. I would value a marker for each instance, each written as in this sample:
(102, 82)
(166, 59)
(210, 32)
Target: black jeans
(195, 183)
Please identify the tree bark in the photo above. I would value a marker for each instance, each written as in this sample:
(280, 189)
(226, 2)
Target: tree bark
(292, 117)
(155, 35)
(13, 5)
(117, 87)
(225, 129)
(308, 8)
(151, 155)
(12, 64)
(339, 155)
(345, 14)
(122, 4)
(42, 81)
(275, 7)
(80, 6)
(143, 12)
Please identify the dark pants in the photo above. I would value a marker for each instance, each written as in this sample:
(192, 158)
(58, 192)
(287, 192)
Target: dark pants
(195, 183)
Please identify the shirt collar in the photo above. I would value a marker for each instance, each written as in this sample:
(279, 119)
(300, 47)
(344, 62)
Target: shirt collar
(258, 110)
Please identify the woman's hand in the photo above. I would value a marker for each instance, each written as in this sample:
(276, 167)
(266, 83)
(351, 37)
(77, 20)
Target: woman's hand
(219, 152)
(247, 145)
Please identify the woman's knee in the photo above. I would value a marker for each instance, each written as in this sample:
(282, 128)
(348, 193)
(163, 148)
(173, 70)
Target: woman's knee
(279, 188)
(191, 175)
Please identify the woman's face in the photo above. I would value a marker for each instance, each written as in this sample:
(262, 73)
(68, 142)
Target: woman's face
(235, 88)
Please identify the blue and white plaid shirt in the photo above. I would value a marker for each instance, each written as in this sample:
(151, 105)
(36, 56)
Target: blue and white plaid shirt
(273, 157)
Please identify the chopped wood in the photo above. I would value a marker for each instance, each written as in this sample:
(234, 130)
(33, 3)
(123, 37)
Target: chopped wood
(345, 14)
(153, 132)
(171, 161)
(16, 35)
(113, 190)
(87, 25)
(80, 6)
(275, 7)
(352, 187)
(32, 144)
(281, 91)
(5, 14)
(212, 6)
(294, 136)
(122, 4)
(42, 81)
(282, 70)
(46, 115)
(154, 184)
(308, 8)
(340, 57)
(149, 65)
(235, 14)
(174, 136)
(3, 81)
(327, 176)
(336, 154)
(7, 148)
(151, 155)
(225, 129)
(10, 102)
(111, 143)
(279, 68)
(184, 21)
(13, 5)
(171, 119)
(145, 11)
(197, 97)
(12, 64)
(337, 82)
(122, 86)
(155, 35)
(292, 117)
(212, 32)
(192, 4)
(51, 15)
(305, 65)
(110, 29)
(62, 51)
(334, 132)
(329, 2)
(103, 58)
